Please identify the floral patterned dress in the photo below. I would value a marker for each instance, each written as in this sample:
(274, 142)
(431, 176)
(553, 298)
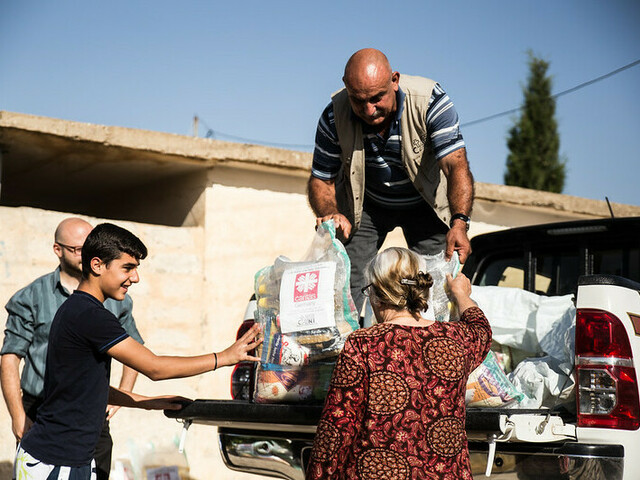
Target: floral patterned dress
(396, 405)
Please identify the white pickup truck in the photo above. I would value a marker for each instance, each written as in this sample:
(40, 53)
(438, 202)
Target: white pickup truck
(598, 261)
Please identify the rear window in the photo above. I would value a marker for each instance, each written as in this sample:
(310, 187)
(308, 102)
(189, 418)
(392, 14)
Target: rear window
(624, 262)
(503, 272)
(558, 268)
(557, 272)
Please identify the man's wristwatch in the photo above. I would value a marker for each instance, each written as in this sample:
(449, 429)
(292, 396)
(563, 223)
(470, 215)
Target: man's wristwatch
(460, 216)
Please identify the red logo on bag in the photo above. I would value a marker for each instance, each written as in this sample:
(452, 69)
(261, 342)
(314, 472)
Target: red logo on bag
(306, 286)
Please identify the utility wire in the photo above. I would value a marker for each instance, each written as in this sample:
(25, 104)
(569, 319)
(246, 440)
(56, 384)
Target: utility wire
(564, 92)
(215, 134)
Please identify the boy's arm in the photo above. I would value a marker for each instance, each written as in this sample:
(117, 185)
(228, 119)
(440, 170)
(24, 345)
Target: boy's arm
(127, 381)
(156, 367)
(129, 399)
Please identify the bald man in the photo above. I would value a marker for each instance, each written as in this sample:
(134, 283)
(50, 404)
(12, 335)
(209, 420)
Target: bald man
(389, 153)
(31, 311)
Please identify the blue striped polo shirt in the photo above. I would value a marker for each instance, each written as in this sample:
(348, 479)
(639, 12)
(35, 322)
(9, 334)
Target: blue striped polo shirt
(386, 182)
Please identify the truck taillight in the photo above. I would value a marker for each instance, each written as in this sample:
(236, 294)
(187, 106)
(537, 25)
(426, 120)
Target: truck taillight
(607, 389)
(243, 373)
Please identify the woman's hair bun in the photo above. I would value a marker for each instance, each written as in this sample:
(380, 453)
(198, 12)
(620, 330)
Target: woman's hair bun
(399, 280)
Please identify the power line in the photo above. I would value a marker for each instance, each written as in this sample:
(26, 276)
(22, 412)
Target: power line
(564, 92)
(216, 134)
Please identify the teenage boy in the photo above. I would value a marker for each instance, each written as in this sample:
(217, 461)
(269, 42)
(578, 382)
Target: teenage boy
(26, 337)
(84, 337)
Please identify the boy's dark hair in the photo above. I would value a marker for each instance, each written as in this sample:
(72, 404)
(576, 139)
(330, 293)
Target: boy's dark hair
(108, 242)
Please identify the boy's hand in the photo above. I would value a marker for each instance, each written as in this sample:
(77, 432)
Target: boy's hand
(111, 411)
(164, 402)
(239, 351)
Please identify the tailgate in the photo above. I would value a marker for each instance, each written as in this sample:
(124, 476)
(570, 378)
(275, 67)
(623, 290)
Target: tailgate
(249, 415)
(481, 423)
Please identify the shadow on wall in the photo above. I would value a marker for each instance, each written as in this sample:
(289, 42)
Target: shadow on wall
(99, 180)
(6, 470)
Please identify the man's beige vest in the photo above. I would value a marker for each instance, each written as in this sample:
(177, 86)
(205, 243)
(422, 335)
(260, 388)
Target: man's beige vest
(417, 155)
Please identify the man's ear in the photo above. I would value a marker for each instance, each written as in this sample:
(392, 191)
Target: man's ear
(97, 266)
(57, 249)
(395, 79)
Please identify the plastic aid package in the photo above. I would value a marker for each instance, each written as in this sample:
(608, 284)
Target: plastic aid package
(488, 386)
(306, 312)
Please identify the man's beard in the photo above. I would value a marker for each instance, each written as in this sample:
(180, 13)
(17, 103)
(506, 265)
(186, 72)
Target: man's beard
(72, 268)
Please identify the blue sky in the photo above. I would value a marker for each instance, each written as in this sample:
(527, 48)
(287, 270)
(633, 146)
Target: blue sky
(264, 70)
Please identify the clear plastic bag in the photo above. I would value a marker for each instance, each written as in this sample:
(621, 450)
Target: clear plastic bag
(440, 304)
(306, 312)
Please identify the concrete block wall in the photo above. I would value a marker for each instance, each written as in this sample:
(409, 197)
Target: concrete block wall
(193, 290)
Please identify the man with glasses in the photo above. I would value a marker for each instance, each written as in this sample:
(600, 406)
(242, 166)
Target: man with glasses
(31, 311)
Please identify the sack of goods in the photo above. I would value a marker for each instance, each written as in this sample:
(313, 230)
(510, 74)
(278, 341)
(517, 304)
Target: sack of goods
(306, 312)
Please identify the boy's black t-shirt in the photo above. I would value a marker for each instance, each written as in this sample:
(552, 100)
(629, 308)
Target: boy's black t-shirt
(76, 383)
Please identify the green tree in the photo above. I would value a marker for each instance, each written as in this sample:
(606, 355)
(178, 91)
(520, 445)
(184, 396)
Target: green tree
(533, 160)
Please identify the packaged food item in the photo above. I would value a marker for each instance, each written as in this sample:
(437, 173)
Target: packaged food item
(306, 311)
(299, 384)
(488, 386)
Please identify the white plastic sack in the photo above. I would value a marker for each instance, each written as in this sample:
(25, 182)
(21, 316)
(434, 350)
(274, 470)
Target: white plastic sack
(543, 381)
(544, 326)
(527, 321)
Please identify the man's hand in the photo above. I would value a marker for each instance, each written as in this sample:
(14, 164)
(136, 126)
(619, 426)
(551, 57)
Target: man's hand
(460, 192)
(20, 425)
(10, 381)
(457, 240)
(322, 199)
(342, 224)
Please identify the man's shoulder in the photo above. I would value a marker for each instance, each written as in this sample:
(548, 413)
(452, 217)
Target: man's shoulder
(41, 286)
(415, 85)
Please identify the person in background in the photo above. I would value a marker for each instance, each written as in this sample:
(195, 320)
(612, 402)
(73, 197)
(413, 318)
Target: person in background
(84, 337)
(389, 153)
(396, 402)
(30, 313)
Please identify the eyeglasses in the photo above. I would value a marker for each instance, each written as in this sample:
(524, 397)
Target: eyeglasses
(74, 250)
(366, 290)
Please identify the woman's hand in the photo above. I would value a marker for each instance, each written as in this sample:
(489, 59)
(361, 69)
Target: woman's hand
(239, 351)
(460, 288)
